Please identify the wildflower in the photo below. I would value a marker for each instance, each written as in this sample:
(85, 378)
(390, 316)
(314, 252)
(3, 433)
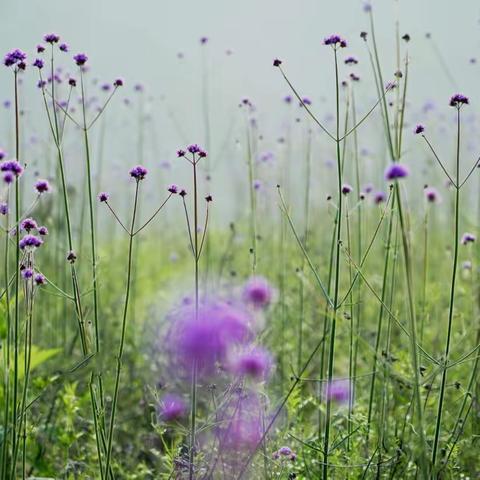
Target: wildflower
(71, 256)
(40, 279)
(209, 198)
(354, 78)
(203, 40)
(255, 363)
(288, 99)
(51, 38)
(363, 36)
(8, 177)
(468, 238)
(206, 338)
(306, 101)
(106, 87)
(182, 193)
(3, 208)
(180, 153)
(40, 48)
(28, 224)
(118, 82)
(194, 148)
(431, 194)
(406, 37)
(15, 57)
(173, 188)
(38, 63)
(277, 62)
(171, 407)
(138, 173)
(379, 197)
(42, 186)
(258, 292)
(27, 273)
(11, 166)
(103, 196)
(43, 231)
(3, 154)
(346, 188)
(80, 59)
(72, 82)
(351, 60)
(30, 242)
(368, 188)
(458, 100)
(335, 41)
(337, 391)
(395, 171)
(419, 129)
(64, 47)
(285, 452)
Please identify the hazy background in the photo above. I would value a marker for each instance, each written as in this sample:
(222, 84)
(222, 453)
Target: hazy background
(141, 41)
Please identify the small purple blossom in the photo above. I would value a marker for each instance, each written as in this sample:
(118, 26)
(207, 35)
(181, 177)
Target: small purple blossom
(432, 195)
(27, 273)
(335, 41)
(351, 60)
(3, 208)
(28, 224)
(379, 197)
(63, 47)
(8, 178)
(173, 188)
(42, 186)
(171, 407)
(277, 62)
(38, 63)
(458, 100)
(396, 171)
(338, 391)
(468, 238)
(255, 364)
(43, 231)
(118, 82)
(418, 129)
(194, 148)
(11, 166)
(346, 189)
(40, 279)
(40, 48)
(80, 59)
(51, 38)
(15, 57)
(103, 196)
(30, 241)
(258, 292)
(138, 172)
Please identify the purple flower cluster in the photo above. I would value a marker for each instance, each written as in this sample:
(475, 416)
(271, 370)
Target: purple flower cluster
(15, 57)
(458, 100)
(51, 38)
(432, 195)
(284, 453)
(419, 129)
(468, 238)
(42, 186)
(11, 169)
(30, 242)
(346, 189)
(171, 407)
(138, 172)
(80, 59)
(103, 196)
(396, 171)
(335, 41)
(258, 292)
(338, 391)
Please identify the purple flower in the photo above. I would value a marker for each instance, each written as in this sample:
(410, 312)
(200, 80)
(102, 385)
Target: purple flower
(419, 129)
(106, 87)
(285, 452)
(468, 238)
(337, 391)
(118, 82)
(277, 62)
(255, 363)
(432, 195)
(258, 292)
(27, 273)
(43, 231)
(42, 186)
(180, 153)
(203, 40)
(103, 196)
(335, 41)
(51, 38)
(40, 48)
(458, 100)
(379, 197)
(8, 178)
(306, 101)
(28, 224)
(351, 60)
(80, 59)
(354, 78)
(40, 279)
(15, 57)
(171, 407)
(173, 188)
(30, 242)
(72, 82)
(11, 166)
(346, 188)
(395, 171)
(3, 154)
(38, 63)
(194, 148)
(63, 47)
(3, 208)
(138, 172)
(206, 338)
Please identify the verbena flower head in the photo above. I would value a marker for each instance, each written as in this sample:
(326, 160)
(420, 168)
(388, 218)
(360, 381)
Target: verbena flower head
(72, 82)
(468, 238)
(338, 391)
(335, 41)
(28, 224)
(207, 338)
(3, 208)
(103, 196)
(277, 62)
(63, 47)
(27, 273)
(346, 189)
(194, 148)
(40, 48)
(3, 154)
(351, 60)
(43, 231)
(255, 363)
(432, 195)
(258, 292)
(138, 172)
(396, 171)
(30, 242)
(51, 38)
(379, 197)
(458, 100)
(40, 279)
(173, 189)
(15, 57)
(8, 177)
(284, 453)
(42, 186)
(80, 59)
(171, 407)
(38, 63)
(11, 166)
(118, 82)
(418, 129)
